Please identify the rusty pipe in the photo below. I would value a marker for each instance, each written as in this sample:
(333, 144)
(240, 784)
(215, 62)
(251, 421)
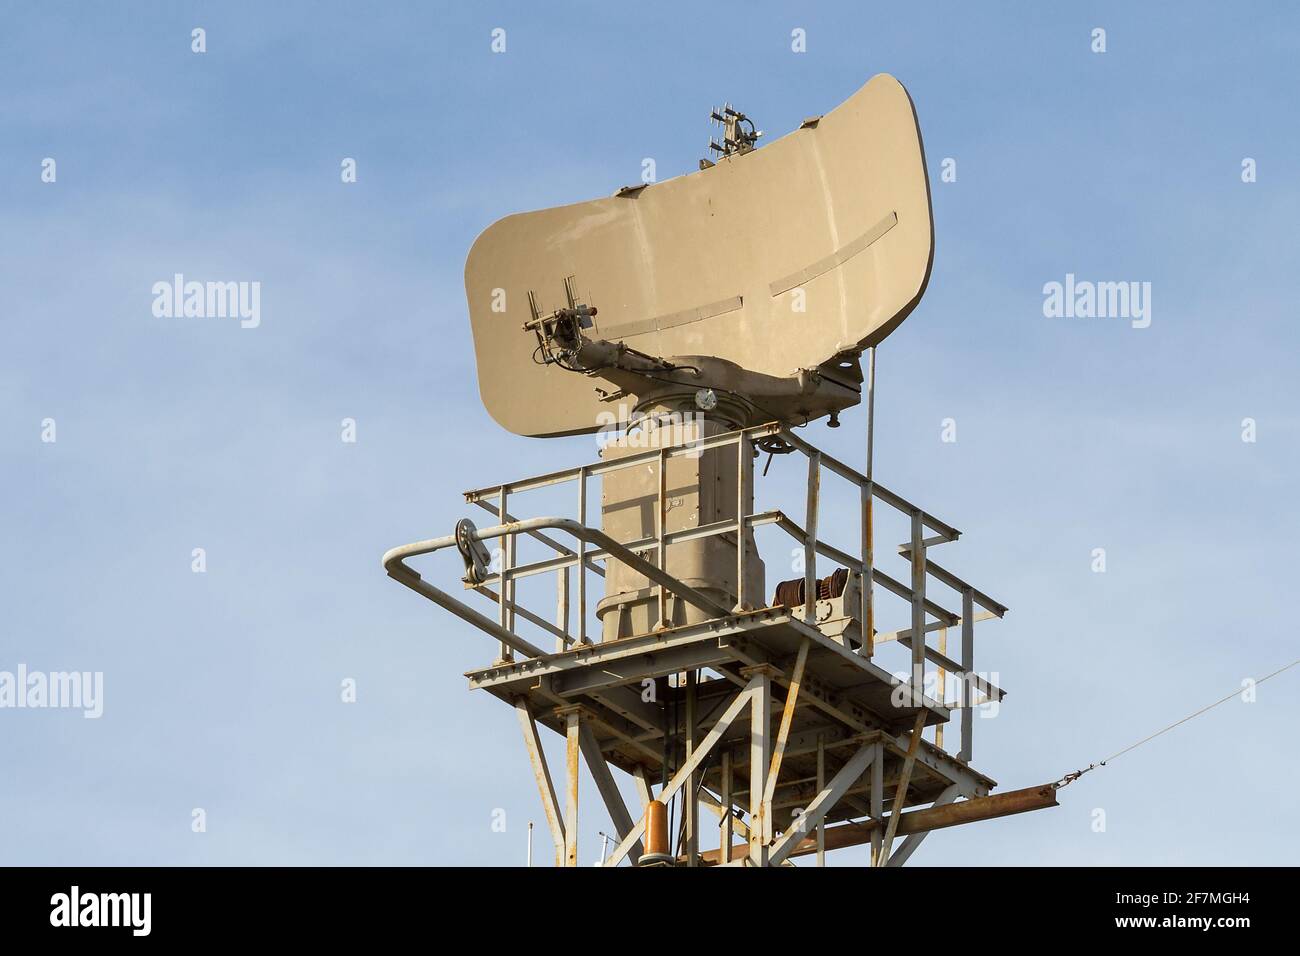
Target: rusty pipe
(922, 821)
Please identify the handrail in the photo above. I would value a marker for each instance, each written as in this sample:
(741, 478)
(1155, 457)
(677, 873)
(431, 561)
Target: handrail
(563, 561)
(647, 556)
(411, 578)
(689, 446)
(394, 562)
(895, 501)
(544, 539)
(394, 559)
(697, 446)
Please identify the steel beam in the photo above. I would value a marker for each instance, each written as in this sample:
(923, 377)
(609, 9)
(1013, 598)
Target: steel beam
(760, 755)
(822, 803)
(900, 795)
(810, 539)
(642, 788)
(542, 774)
(572, 721)
(918, 821)
(917, 640)
(600, 656)
(908, 846)
(690, 802)
(632, 670)
(967, 665)
(787, 719)
(608, 789)
(877, 800)
(831, 703)
(728, 816)
(706, 746)
(821, 785)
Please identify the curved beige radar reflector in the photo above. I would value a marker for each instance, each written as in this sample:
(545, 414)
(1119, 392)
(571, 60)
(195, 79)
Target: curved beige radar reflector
(757, 281)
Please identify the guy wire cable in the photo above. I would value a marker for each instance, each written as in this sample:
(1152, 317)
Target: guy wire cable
(1069, 778)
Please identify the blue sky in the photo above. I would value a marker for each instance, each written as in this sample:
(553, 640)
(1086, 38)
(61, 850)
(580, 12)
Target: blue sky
(222, 688)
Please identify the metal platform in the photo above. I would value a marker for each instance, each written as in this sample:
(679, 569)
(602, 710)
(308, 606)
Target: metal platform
(843, 697)
(778, 719)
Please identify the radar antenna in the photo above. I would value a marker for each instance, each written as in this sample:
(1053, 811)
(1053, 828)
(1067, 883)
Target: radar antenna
(734, 308)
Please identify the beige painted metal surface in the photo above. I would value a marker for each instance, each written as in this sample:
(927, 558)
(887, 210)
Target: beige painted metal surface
(833, 219)
(699, 490)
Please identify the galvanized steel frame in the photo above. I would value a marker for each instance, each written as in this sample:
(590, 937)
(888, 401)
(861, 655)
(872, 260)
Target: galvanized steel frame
(578, 666)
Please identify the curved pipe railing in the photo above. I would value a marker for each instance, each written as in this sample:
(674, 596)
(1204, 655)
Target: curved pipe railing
(395, 565)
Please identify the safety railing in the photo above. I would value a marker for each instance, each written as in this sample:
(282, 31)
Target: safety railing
(593, 548)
